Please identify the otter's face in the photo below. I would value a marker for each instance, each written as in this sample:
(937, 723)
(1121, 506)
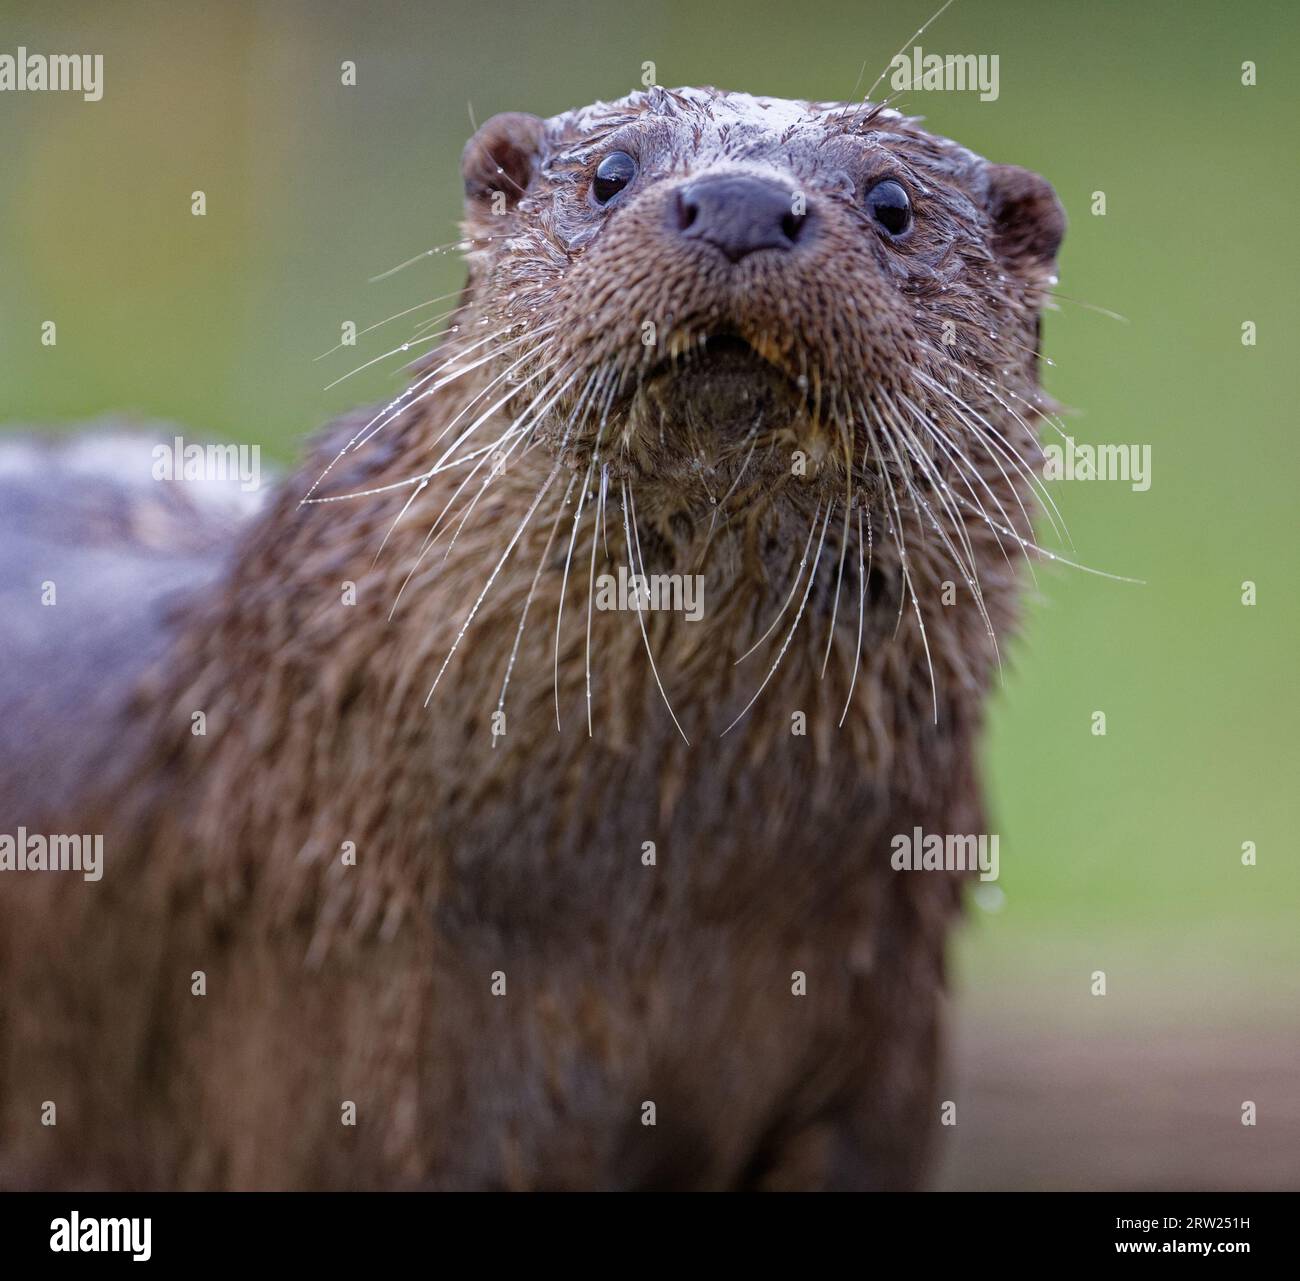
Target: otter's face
(679, 276)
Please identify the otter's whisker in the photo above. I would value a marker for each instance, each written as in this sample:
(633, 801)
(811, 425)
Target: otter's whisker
(812, 575)
(844, 547)
(731, 489)
(419, 306)
(458, 244)
(436, 530)
(971, 574)
(433, 381)
(934, 17)
(406, 398)
(597, 524)
(511, 393)
(573, 538)
(907, 575)
(970, 567)
(396, 407)
(564, 582)
(1062, 530)
(986, 434)
(1063, 560)
(532, 591)
(963, 465)
(994, 390)
(492, 577)
(516, 426)
(375, 360)
(431, 322)
(979, 438)
(794, 587)
(424, 478)
(1089, 306)
(519, 433)
(863, 575)
(640, 613)
(530, 353)
(604, 527)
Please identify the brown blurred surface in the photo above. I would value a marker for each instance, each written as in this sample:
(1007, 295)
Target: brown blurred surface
(1040, 1109)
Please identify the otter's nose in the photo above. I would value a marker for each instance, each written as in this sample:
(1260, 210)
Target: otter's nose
(738, 214)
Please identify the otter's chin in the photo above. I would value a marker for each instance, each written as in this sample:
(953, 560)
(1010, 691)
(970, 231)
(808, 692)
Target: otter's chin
(722, 388)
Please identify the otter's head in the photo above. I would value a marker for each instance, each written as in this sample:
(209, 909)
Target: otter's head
(682, 277)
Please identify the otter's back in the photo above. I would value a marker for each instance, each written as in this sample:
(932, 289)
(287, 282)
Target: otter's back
(94, 553)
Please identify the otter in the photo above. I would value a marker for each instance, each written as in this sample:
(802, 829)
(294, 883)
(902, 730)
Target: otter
(423, 866)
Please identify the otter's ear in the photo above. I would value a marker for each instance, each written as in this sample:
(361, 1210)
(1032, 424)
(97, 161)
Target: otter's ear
(501, 158)
(1028, 221)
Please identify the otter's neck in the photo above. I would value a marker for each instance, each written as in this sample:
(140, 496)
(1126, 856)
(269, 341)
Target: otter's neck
(364, 681)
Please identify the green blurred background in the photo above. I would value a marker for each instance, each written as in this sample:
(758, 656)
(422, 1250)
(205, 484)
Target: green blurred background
(1119, 853)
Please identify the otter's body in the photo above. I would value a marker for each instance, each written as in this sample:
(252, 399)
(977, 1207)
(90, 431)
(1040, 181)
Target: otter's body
(543, 889)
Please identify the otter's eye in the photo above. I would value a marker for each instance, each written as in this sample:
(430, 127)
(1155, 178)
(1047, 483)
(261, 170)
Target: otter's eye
(612, 175)
(888, 204)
